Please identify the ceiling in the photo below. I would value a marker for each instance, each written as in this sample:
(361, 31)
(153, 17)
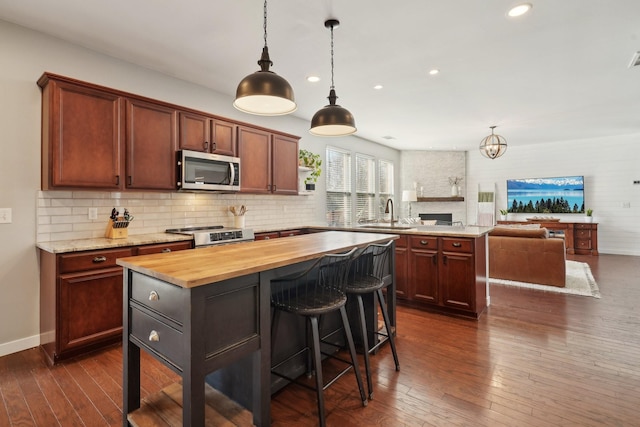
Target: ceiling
(560, 72)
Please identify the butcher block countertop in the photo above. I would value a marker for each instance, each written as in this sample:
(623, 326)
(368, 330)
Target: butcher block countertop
(217, 263)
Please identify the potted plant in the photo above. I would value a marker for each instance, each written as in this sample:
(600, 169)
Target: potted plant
(503, 214)
(312, 161)
(589, 217)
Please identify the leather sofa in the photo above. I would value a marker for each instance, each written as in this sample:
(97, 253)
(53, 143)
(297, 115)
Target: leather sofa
(527, 255)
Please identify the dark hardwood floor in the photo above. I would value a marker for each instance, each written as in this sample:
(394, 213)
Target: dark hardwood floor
(533, 359)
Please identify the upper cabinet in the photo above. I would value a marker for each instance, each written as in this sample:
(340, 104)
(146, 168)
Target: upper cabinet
(269, 162)
(151, 146)
(94, 137)
(200, 132)
(82, 136)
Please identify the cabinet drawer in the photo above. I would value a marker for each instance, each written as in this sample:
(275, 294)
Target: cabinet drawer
(288, 233)
(456, 245)
(164, 247)
(583, 244)
(267, 236)
(158, 296)
(158, 336)
(583, 234)
(80, 261)
(423, 242)
(584, 226)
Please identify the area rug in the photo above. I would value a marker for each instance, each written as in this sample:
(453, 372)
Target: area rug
(580, 281)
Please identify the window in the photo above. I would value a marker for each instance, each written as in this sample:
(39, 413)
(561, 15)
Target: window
(338, 186)
(366, 207)
(373, 186)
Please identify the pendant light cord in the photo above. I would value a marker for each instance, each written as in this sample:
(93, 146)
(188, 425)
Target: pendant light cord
(264, 25)
(332, 84)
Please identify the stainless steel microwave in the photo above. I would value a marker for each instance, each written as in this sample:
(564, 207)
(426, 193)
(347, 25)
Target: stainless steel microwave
(207, 172)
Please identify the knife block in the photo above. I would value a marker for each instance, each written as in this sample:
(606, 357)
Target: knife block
(117, 229)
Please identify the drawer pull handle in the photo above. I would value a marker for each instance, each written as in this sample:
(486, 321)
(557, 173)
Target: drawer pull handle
(99, 259)
(166, 250)
(267, 238)
(456, 245)
(424, 242)
(154, 337)
(153, 296)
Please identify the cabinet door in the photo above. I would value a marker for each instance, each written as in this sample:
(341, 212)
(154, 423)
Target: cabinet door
(402, 271)
(255, 160)
(151, 146)
(195, 132)
(90, 309)
(457, 280)
(81, 137)
(223, 137)
(285, 165)
(424, 275)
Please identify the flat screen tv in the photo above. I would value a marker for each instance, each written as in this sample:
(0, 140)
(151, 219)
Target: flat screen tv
(546, 195)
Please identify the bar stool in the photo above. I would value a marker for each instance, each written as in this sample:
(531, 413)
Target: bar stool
(367, 277)
(317, 291)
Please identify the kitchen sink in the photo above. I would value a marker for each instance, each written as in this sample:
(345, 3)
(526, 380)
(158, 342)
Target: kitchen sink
(387, 226)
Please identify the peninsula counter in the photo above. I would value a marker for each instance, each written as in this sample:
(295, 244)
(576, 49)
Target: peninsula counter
(201, 310)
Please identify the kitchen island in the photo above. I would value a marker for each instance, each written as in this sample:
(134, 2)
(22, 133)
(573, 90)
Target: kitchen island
(200, 311)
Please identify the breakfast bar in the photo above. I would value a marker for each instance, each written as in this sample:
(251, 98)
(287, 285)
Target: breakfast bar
(202, 310)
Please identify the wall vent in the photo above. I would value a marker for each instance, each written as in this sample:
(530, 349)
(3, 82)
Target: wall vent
(635, 61)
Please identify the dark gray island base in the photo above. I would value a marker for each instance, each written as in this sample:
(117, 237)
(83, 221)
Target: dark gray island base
(208, 311)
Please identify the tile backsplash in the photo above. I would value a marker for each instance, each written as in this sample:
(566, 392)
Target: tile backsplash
(64, 215)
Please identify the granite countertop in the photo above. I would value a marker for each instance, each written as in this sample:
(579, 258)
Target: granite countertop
(63, 246)
(414, 229)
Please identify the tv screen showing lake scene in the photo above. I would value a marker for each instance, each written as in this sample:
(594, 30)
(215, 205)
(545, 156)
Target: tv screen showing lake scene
(546, 195)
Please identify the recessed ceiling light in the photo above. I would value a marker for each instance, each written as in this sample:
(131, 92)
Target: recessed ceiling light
(434, 71)
(519, 10)
(378, 87)
(313, 79)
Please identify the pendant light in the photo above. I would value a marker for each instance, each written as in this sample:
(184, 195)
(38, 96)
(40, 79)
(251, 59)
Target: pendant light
(493, 146)
(264, 92)
(332, 119)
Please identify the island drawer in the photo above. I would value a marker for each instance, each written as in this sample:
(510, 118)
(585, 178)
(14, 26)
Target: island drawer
(450, 244)
(158, 336)
(424, 242)
(159, 296)
(91, 260)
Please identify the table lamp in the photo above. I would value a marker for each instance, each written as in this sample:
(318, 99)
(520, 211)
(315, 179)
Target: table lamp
(409, 196)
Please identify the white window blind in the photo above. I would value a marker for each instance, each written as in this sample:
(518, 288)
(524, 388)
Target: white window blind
(385, 183)
(366, 206)
(338, 177)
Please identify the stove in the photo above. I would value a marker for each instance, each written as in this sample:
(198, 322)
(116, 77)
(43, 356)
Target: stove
(215, 235)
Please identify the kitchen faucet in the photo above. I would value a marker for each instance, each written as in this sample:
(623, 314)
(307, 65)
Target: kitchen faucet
(386, 209)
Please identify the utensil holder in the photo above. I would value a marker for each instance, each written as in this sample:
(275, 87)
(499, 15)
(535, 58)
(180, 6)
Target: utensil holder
(238, 221)
(117, 229)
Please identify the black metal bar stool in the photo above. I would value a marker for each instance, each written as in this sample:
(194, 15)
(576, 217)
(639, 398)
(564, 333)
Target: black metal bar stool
(317, 291)
(367, 277)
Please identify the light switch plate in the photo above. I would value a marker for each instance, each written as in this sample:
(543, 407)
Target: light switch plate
(93, 213)
(5, 215)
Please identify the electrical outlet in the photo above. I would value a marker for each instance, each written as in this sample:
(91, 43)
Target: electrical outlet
(5, 215)
(93, 213)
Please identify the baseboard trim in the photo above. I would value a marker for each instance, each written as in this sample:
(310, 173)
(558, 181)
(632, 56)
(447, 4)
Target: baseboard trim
(19, 345)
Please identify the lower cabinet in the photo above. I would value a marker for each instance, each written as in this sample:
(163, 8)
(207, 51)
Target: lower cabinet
(443, 273)
(267, 235)
(81, 298)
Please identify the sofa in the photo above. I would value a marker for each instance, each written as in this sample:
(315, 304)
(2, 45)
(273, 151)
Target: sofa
(527, 254)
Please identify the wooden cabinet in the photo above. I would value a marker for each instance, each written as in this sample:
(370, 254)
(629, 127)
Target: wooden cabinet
(268, 235)
(580, 238)
(269, 162)
(151, 146)
(82, 136)
(95, 137)
(200, 132)
(81, 298)
(443, 273)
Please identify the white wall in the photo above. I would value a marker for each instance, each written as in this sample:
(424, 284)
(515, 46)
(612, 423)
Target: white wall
(25, 56)
(609, 165)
